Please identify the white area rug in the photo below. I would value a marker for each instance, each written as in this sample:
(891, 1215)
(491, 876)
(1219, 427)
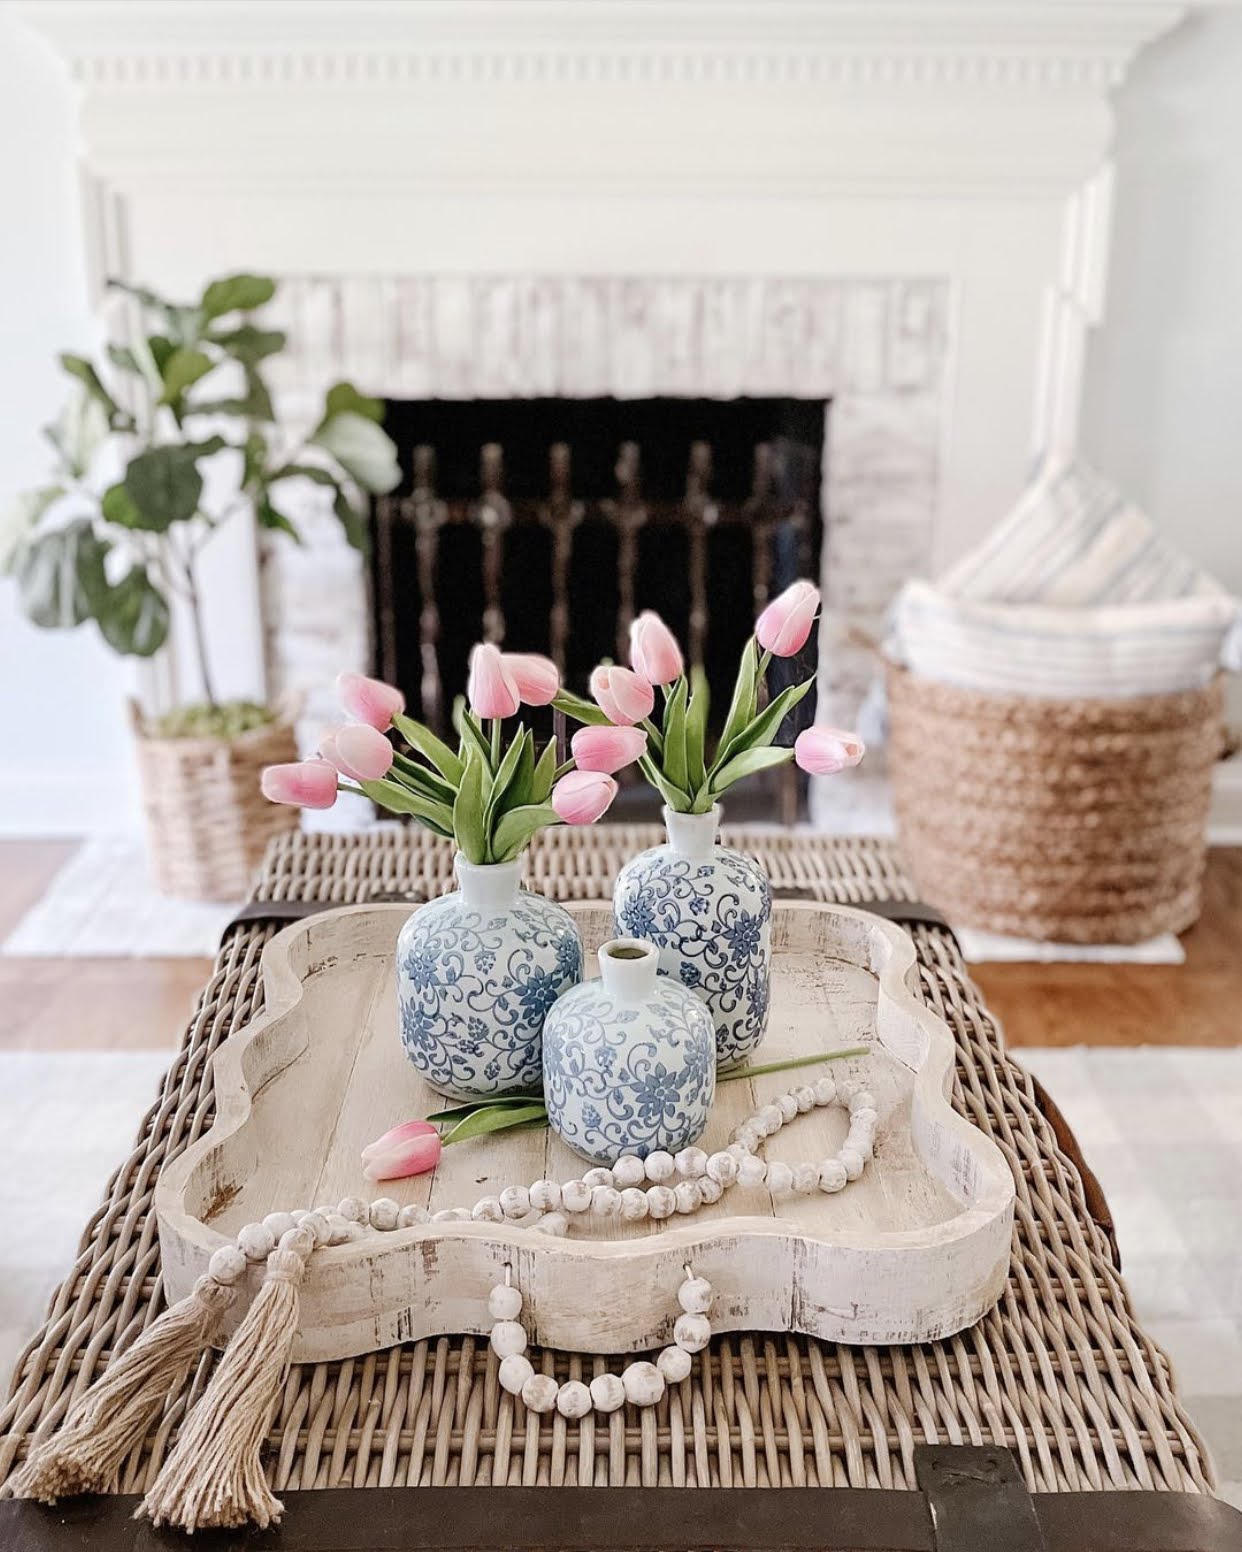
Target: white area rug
(102, 904)
(1161, 1128)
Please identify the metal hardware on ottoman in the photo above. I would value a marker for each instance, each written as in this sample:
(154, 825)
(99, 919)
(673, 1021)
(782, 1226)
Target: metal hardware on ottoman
(1060, 1373)
(1074, 821)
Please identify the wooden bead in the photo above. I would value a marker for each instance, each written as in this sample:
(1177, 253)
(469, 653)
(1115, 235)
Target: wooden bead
(825, 1090)
(861, 1099)
(770, 1120)
(695, 1296)
(693, 1332)
(805, 1179)
(605, 1201)
(691, 1163)
(607, 1393)
(545, 1195)
(515, 1201)
(504, 1302)
(597, 1177)
(451, 1215)
(674, 1363)
(661, 1203)
(780, 1178)
(866, 1115)
(409, 1216)
(576, 1196)
(280, 1223)
(487, 1210)
(643, 1382)
(633, 1205)
(354, 1208)
(573, 1399)
(515, 1370)
(860, 1143)
(722, 1168)
(300, 1213)
(508, 1337)
(629, 1170)
(343, 1230)
(751, 1171)
(710, 1190)
(299, 1241)
(227, 1264)
(554, 1223)
(853, 1162)
(832, 1176)
(384, 1213)
(660, 1166)
(540, 1393)
(256, 1241)
(319, 1226)
(687, 1195)
(805, 1097)
(788, 1107)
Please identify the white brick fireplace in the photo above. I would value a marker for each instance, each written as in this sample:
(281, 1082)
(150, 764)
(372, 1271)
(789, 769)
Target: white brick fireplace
(900, 207)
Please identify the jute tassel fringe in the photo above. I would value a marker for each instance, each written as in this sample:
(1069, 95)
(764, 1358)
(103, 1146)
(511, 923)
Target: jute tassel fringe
(213, 1476)
(118, 1411)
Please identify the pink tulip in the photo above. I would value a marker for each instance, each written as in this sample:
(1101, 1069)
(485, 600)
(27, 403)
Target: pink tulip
(823, 751)
(583, 796)
(654, 652)
(537, 677)
(369, 700)
(623, 696)
(785, 624)
(330, 751)
(412, 1148)
(607, 749)
(491, 689)
(366, 752)
(307, 784)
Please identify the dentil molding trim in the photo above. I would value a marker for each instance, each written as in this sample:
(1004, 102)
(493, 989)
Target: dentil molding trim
(988, 45)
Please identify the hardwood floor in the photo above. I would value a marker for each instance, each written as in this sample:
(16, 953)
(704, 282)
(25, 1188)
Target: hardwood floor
(143, 1004)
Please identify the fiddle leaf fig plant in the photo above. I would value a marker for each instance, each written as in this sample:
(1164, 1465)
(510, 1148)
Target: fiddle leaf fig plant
(170, 436)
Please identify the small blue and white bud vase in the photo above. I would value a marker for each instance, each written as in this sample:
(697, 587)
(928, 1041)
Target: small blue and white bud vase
(629, 1061)
(477, 972)
(709, 910)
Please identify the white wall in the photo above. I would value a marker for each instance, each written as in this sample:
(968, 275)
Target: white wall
(62, 695)
(1163, 397)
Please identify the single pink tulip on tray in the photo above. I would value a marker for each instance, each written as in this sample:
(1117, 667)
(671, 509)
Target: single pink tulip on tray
(412, 1148)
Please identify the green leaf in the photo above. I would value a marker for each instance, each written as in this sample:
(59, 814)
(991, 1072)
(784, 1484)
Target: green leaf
(517, 793)
(84, 371)
(749, 762)
(696, 731)
(422, 780)
(304, 471)
(133, 617)
(161, 347)
(518, 825)
(236, 293)
(674, 760)
(20, 520)
(255, 403)
(544, 774)
(676, 799)
(344, 399)
(400, 800)
(117, 506)
(254, 457)
(268, 516)
(248, 343)
(124, 357)
(742, 706)
(505, 773)
(472, 735)
(501, 1101)
(483, 1122)
(430, 747)
(79, 430)
(141, 294)
(759, 733)
(731, 1074)
(356, 530)
(61, 576)
(164, 486)
(468, 810)
(182, 368)
(579, 709)
(364, 450)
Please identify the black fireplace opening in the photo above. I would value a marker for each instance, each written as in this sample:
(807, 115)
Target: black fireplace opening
(546, 525)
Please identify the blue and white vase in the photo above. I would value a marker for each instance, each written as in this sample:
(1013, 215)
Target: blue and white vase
(629, 1061)
(477, 972)
(710, 911)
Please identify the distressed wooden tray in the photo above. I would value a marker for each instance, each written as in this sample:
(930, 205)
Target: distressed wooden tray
(914, 1250)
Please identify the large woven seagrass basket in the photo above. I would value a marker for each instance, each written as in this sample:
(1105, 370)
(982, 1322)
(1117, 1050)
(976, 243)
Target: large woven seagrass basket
(208, 824)
(1075, 821)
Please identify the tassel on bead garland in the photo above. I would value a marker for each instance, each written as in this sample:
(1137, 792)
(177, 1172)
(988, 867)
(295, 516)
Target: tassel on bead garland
(214, 1476)
(117, 1412)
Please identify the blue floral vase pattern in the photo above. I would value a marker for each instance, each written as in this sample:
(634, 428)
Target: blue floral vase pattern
(629, 1061)
(477, 972)
(709, 910)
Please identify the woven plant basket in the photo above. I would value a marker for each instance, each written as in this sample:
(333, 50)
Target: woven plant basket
(1073, 821)
(207, 822)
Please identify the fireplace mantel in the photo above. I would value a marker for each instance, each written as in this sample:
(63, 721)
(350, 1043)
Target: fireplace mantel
(956, 145)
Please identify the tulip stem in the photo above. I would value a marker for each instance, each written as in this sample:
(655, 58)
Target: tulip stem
(495, 742)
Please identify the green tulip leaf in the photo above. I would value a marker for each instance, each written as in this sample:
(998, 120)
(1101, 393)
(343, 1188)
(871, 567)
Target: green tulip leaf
(469, 808)
(760, 733)
(674, 755)
(749, 762)
(543, 777)
(745, 688)
(676, 799)
(430, 747)
(580, 710)
(400, 800)
(518, 826)
(484, 1122)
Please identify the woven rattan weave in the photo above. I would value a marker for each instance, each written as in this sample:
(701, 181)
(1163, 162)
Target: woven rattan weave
(1060, 1371)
